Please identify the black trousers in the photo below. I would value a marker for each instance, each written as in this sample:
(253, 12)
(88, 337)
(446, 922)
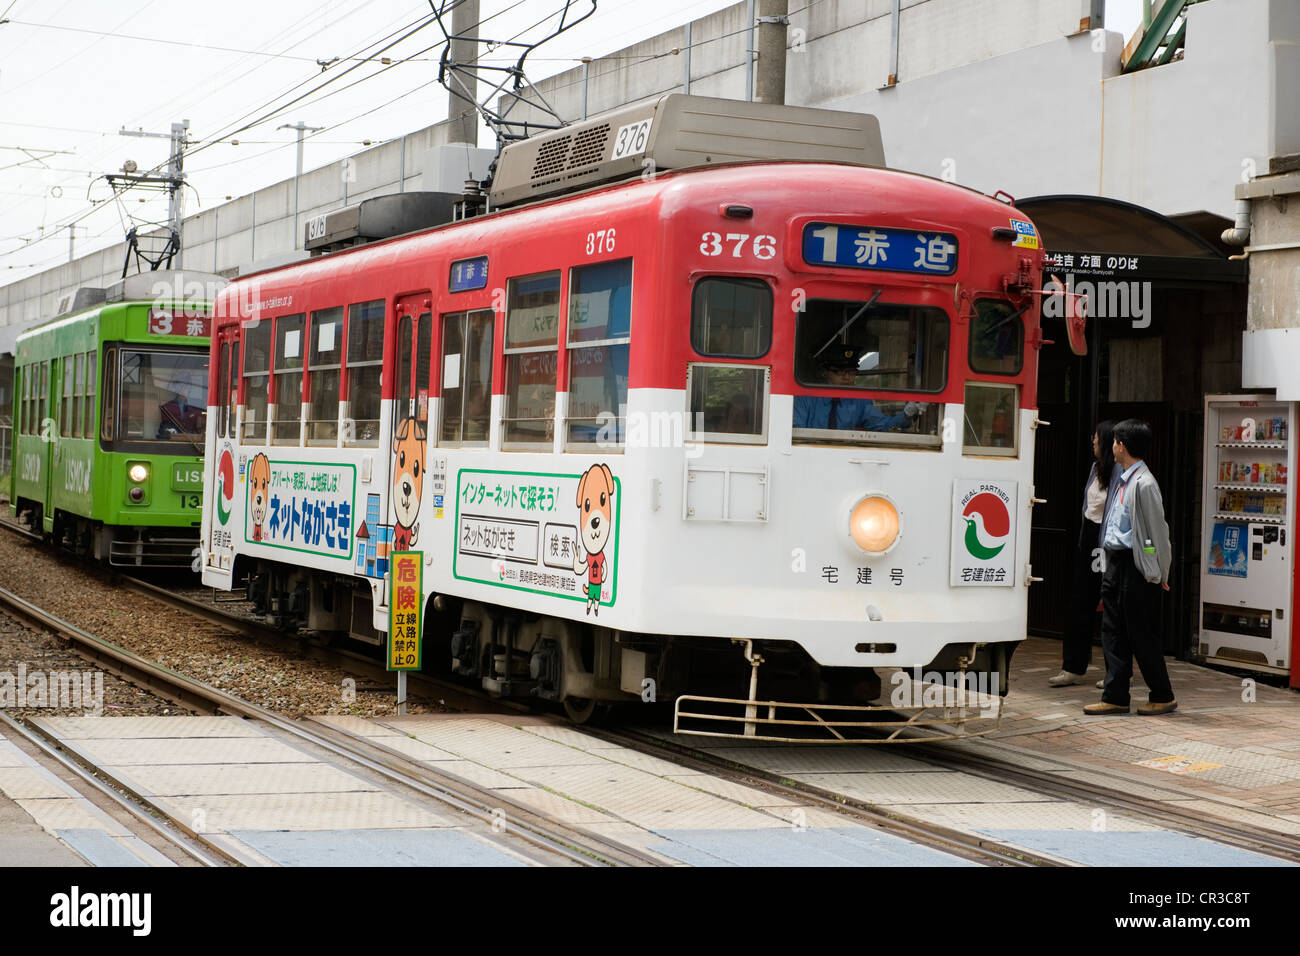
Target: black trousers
(1081, 619)
(1130, 617)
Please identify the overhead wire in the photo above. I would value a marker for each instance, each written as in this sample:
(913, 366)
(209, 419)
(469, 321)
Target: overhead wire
(422, 21)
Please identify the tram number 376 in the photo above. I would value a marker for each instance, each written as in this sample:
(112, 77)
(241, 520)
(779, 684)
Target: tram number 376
(600, 241)
(714, 244)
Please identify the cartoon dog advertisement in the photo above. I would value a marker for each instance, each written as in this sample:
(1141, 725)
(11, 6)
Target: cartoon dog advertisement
(408, 482)
(259, 497)
(595, 507)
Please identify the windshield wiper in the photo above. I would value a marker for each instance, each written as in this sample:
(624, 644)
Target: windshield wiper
(845, 327)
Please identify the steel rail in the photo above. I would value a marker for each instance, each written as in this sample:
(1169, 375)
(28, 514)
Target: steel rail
(968, 846)
(567, 842)
(140, 810)
(1218, 829)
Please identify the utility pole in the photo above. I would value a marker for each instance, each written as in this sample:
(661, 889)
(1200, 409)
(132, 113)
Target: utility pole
(772, 23)
(172, 180)
(464, 50)
(302, 128)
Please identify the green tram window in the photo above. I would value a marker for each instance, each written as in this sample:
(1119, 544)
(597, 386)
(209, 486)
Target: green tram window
(44, 401)
(108, 410)
(65, 405)
(164, 396)
(24, 392)
(89, 427)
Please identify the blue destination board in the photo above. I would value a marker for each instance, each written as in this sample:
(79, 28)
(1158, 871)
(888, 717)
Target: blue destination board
(468, 274)
(872, 247)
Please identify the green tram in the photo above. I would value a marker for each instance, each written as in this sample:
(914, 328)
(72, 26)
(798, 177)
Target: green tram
(110, 409)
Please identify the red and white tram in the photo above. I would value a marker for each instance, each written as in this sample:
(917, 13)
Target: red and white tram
(651, 435)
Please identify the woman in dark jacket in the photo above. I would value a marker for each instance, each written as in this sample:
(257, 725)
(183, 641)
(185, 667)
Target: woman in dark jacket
(1081, 621)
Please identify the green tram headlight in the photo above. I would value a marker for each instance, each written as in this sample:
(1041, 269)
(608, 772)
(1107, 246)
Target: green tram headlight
(138, 472)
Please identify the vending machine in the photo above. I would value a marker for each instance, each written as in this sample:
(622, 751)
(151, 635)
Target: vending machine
(1248, 553)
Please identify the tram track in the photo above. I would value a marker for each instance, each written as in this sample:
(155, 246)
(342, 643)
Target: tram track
(93, 779)
(985, 765)
(1220, 830)
(509, 823)
(966, 846)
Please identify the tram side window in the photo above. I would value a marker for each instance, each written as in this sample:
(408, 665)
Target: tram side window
(997, 338)
(43, 408)
(78, 393)
(869, 346)
(286, 425)
(223, 388)
(88, 428)
(599, 330)
(423, 359)
(365, 361)
(467, 339)
(257, 367)
(108, 409)
(25, 402)
(990, 416)
(232, 392)
(65, 406)
(732, 318)
(325, 366)
(531, 350)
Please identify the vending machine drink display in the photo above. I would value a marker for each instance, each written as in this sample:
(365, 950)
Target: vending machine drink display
(1248, 569)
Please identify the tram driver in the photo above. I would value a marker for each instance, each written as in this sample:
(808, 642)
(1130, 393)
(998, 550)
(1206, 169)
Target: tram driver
(839, 367)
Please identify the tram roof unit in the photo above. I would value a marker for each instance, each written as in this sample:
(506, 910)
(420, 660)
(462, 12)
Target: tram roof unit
(673, 132)
(679, 131)
(194, 290)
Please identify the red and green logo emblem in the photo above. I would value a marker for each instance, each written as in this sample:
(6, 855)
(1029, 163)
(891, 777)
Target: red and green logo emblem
(225, 485)
(988, 525)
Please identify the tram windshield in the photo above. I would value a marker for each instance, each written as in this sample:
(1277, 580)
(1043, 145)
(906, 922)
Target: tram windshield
(869, 346)
(164, 397)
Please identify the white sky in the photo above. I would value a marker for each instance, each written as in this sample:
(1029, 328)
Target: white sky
(72, 91)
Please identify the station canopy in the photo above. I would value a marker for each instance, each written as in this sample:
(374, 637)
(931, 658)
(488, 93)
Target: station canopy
(1097, 236)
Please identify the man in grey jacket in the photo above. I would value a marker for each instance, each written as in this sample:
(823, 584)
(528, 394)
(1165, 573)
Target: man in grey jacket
(1135, 539)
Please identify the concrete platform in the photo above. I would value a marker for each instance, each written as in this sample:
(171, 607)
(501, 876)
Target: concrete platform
(686, 818)
(1232, 748)
(44, 822)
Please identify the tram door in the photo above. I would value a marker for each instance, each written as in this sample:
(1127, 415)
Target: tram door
(50, 425)
(414, 318)
(225, 429)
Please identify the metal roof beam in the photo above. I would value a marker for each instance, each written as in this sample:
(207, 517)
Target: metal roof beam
(1149, 39)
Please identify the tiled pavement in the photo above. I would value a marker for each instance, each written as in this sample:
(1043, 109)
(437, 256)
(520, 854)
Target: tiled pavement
(1232, 747)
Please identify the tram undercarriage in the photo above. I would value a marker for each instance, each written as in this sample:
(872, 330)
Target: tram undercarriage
(718, 687)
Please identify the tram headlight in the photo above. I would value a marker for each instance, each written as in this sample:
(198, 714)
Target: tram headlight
(873, 524)
(138, 472)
